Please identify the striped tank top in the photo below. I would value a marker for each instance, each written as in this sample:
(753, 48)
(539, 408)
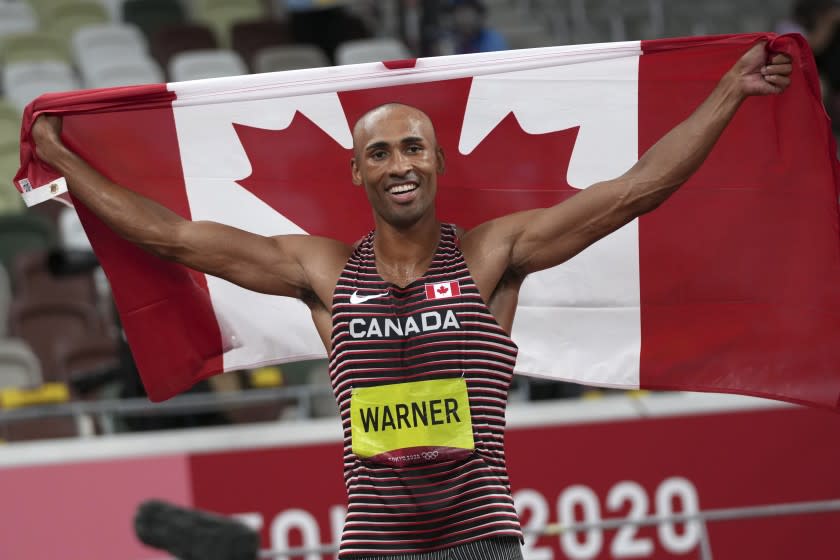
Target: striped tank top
(437, 327)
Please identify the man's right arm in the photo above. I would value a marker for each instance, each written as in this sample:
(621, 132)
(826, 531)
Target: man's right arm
(288, 265)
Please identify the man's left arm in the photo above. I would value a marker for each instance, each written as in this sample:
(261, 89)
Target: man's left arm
(539, 239)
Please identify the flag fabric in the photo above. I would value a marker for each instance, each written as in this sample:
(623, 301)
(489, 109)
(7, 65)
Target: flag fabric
(731, 285)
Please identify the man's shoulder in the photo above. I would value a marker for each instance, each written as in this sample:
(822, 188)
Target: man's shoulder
(318, 248)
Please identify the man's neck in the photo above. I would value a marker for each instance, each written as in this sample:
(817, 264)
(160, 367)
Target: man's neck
(404, 254)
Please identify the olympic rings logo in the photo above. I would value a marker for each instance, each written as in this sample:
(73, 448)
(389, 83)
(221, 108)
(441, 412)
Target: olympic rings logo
(429, 455)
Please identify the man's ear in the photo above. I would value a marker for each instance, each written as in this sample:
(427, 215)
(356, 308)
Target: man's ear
(354, 171)
(441, 161)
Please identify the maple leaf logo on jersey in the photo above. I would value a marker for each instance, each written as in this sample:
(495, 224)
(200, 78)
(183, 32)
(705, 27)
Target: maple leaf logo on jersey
(304, 174)
(440, 290)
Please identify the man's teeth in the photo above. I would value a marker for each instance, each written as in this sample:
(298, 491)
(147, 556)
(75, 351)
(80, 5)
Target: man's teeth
(403, 188)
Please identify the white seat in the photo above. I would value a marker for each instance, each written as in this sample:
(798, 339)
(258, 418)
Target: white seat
(129, 72)
(370, 50)
(114, 9)
(92, 45)
(24, 81)
(17, 17)
(71, 233)
(289, 57)
(206, 63)
(19, 367)
(72, 237)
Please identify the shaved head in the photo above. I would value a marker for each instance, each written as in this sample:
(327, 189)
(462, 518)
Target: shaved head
(397, 159)
(367, 124)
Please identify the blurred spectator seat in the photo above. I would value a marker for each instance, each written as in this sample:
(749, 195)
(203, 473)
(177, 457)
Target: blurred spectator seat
(29, 47)
(5, 300)
(45, 324)
(248, 37)
(19, 366)
(9, 126)
(254, 8)
(129, 72)
(23, 232)
(71, 233)
(370, 50)
(77, 255)
(173, 39)
(17, 17)
(50, 427)
(42, 7)
(114, 9)
(327, 27)
(221, 15)
(637, 19)
(492, 5)
(24, 81)
(506, 13)
(702, 18)
(323, 403)
(196, 65)
(64, 17)
(10, 199)
(32, 279)
(95, 45)
(78, 358)
(289, 57)
(526, 36)
(151, 15)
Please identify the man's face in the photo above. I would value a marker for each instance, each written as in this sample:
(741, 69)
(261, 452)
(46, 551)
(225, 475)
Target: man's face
(466, 20)
(396, 159)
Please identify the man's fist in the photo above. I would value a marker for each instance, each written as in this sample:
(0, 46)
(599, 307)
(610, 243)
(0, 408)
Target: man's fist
(758, 74)
(46, 132)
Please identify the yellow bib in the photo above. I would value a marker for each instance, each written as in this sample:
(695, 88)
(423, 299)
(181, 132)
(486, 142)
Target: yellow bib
(410, 423)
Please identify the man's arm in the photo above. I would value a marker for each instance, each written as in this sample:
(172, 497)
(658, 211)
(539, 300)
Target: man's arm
(290, 265)
(534, 240)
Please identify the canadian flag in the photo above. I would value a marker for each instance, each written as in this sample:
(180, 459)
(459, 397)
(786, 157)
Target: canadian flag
(732, 285)
(440, 290)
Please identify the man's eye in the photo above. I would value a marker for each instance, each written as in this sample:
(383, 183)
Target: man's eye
(413, 149)
(379, 154)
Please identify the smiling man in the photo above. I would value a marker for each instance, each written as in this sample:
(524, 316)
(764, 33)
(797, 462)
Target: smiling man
(416, 317)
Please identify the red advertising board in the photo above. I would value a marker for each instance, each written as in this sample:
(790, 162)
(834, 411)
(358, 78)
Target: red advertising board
(589, 472)
(76, 499)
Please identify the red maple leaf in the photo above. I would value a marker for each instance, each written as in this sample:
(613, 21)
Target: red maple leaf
(443, 290)
(305, 175)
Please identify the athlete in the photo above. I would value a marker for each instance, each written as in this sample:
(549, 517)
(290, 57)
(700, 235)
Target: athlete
(416, 317)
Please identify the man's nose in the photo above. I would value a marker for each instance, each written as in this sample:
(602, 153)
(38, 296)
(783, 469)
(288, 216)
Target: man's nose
(400, 164)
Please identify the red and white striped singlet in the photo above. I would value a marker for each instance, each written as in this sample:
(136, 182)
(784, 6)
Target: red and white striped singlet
(437, 327)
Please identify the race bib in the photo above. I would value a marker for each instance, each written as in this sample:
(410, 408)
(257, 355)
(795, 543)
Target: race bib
(411, 423)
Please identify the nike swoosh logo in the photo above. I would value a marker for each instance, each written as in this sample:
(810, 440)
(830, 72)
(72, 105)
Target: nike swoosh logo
(356, 298)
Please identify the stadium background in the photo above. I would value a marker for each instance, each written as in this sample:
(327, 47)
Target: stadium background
(82, 446)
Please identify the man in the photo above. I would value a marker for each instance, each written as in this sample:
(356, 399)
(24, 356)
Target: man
(472, 34)
(416, 318)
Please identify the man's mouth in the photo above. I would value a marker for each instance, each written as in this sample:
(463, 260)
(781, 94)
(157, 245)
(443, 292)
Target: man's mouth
(403, 193)
(402, 188)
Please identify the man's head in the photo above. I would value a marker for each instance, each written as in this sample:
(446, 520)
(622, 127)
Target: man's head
(468, 17)
(397, 159)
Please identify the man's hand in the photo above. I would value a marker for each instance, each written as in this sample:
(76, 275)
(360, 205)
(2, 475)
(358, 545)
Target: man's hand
(46, 132)
(757, 74)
